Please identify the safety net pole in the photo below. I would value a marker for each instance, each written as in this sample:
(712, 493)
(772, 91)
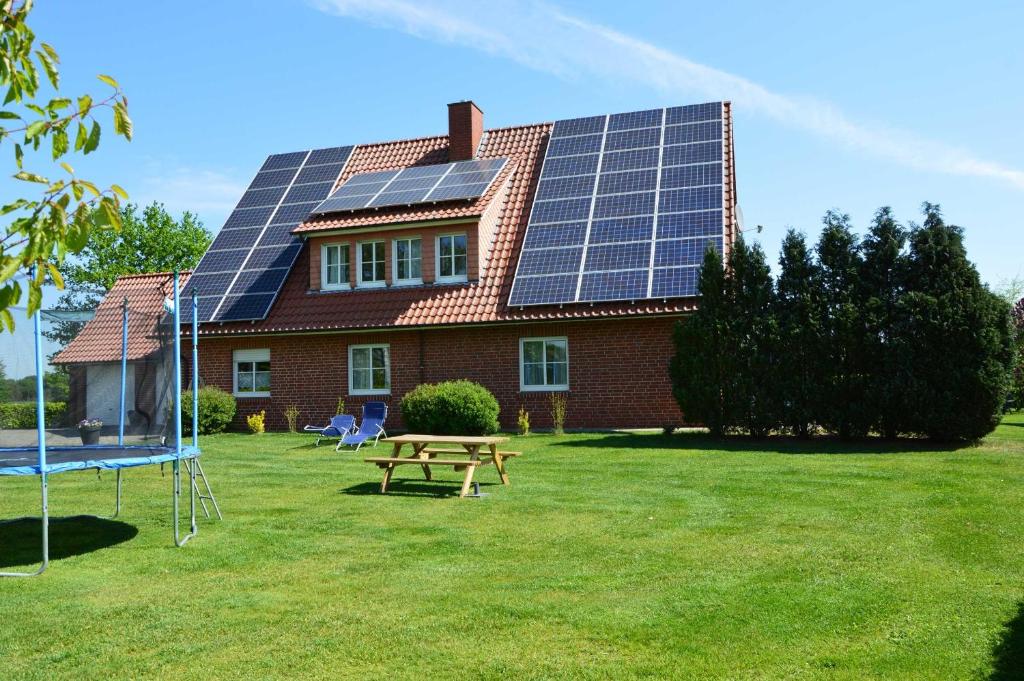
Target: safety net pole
(179, 541)
(41, 435)
(124, 370)
(195, 367)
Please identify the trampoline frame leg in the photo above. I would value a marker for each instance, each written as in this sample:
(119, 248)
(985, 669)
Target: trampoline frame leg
(179, 540)
(45, 518)
(117, 498)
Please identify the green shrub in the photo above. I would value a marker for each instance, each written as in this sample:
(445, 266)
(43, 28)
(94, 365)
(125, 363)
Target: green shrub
(18, 415)
(216, 409)
(450, 408)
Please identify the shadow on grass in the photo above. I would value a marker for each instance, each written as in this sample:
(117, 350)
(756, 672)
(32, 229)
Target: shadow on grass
(1008, 655)
(411, 488)
(21, 540)
(741, 443)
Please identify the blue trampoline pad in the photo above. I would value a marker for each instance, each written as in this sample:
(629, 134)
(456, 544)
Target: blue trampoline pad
(25, 460)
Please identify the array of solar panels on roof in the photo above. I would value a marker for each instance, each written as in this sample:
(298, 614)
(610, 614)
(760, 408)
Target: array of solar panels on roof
(243, 271)
(417, 184)
(625, 207)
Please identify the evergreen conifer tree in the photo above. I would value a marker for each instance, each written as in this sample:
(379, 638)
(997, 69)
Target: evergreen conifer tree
(753, 333)
(956, 340)
(881, 280)
(841, 397)
(702, 365)
(797, 374)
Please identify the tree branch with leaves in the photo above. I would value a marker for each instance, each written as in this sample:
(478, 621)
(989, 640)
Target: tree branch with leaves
(58, 220)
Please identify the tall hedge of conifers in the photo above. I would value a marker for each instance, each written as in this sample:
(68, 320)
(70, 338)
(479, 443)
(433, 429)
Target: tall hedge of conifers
(893, 334)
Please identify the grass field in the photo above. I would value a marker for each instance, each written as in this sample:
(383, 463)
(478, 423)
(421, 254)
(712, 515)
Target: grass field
(609, 556)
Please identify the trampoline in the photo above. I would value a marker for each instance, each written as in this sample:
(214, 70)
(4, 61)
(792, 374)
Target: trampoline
(43, 461)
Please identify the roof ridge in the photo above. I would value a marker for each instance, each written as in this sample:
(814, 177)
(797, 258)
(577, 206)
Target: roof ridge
(142, 275)
(430, 138)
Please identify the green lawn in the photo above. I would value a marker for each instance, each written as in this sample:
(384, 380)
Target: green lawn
(611, 555)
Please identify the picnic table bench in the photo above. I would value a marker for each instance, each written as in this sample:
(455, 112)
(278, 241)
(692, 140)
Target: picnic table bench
(425, 454)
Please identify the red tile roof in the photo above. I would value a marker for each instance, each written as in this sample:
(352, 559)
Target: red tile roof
(485, 301)
(100, 339)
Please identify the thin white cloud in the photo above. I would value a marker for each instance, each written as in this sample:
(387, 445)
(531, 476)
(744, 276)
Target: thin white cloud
(544, 38)
(210, 194)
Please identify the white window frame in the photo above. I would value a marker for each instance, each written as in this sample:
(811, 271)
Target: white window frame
(387, 369)
(437, 259)
(257, 355)
(344, 284)
(411, 281)
(522, 365)
(359, 265)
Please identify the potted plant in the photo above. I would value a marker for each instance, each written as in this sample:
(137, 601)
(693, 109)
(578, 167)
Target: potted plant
(89, 430)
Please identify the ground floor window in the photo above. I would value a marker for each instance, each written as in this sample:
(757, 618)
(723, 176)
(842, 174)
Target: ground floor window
(543, 364)
(369, 370)
(252, 373)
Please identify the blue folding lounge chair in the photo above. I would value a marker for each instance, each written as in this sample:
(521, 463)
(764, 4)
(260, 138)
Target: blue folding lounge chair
(370, 428)
(340, 426)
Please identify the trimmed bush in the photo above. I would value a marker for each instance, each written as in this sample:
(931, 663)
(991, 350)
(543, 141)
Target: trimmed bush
(216, 409)
(450, 408)
(19, 415)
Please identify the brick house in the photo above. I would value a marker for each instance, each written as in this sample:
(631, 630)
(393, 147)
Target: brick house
(375, 300)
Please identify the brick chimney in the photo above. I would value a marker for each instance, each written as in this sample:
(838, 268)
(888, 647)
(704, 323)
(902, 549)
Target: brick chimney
(465, 126)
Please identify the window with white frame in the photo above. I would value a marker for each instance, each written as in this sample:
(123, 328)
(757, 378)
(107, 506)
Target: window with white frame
(334, 266)
(369, 370)
(543, 364)
(407, 264)
(251, 373)
(371, 263)
(452, 257)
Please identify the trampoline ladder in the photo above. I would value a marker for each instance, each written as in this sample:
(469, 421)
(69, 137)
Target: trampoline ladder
(208, 496)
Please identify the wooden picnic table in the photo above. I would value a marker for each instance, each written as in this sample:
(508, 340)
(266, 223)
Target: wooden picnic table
(425, 451)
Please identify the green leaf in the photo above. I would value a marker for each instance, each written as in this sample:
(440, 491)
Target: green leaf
(119, 191)
(7, 319)
(77, 235)
(60, 143)
(35, 295)
(58, 103)
(81, 136)
(50, 67)
(93, 140)
(34, 129)
(84, 104)
(51, 52)
(68, 168)
(19, 155)
(109, 81)
(15, 205)
(9, 115)
(58, 280)
(26, 176)
(77, 190)
(122, 124)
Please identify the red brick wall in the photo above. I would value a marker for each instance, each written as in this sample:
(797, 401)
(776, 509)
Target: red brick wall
(618, 371)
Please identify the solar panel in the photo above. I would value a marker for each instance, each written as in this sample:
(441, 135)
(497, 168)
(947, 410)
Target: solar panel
(625, 207)
(245, 267)
(410, 186)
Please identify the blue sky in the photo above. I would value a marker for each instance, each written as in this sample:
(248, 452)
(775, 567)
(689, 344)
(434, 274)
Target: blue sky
(851, 106)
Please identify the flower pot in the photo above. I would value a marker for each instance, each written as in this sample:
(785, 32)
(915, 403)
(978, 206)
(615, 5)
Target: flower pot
(90, 434)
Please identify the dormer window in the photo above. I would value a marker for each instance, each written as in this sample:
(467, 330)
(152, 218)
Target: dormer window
(371, 268)
(452, 258)
(334, 266)
(408, 262)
